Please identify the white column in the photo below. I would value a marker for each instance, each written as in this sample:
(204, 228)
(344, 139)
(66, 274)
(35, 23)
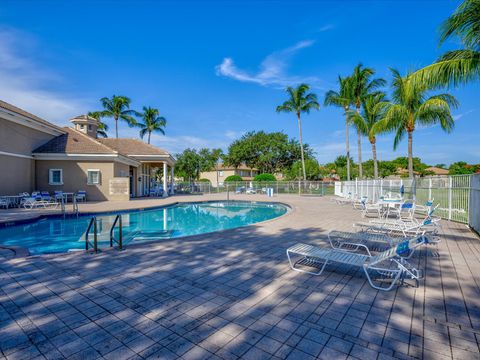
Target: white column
(172, 180)
(165, 183)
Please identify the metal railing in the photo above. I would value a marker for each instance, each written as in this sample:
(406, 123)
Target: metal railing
(93, 222)
(314, 188)
(118, 219)
(451, 192)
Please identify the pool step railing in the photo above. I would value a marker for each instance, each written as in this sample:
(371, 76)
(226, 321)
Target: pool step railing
(118, 220)
(93, 222)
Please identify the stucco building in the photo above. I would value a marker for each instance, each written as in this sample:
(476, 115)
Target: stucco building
(221, 172)
(38, 155)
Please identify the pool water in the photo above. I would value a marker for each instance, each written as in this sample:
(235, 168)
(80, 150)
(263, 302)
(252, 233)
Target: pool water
(54, 234)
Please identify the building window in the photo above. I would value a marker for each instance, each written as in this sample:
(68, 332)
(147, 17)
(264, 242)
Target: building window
(82, 126)
(55, 177)
(93, 176)
(90, 127)
(220, 173)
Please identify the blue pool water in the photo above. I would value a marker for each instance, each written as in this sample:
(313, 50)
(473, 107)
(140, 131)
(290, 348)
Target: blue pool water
(50, 235)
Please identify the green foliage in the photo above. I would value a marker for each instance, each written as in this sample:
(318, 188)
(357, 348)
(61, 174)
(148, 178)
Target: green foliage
(151, 122)
(265, 177)
(457, 66)
(312, 169)
(267, 152)
(102, 127)
(461, 167)
(191, 162)
(233, 178)
(204, 180)
(118, 108)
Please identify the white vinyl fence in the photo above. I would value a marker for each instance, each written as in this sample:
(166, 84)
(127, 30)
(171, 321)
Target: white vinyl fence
(453, 193)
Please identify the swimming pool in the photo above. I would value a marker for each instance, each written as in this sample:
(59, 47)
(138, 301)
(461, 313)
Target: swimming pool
(55, 234)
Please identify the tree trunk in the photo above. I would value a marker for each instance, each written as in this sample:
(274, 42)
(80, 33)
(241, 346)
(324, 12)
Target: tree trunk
(347, 144)
(116, 127)
(301, 147)
(149, 133)
(375, 164)
(410, 154)
(359, 145)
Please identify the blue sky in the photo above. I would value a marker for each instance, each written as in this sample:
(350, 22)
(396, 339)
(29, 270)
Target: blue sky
(217, 69)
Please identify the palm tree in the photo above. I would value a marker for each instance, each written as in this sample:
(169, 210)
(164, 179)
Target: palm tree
(299, 102)
(102, 128)
(411, 107)
(362, 86)
(344, 99)
(373, 111)
(152, 121)
(118, 108)
(457, 66)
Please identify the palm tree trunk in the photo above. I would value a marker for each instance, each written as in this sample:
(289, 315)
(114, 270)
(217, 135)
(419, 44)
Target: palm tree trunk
(410, 154)
(375, 164)
(301, 147)
(116, 127)
(347, 144)
(359, 145)
(149, 133)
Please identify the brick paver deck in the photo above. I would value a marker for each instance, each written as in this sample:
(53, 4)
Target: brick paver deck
(232, 295)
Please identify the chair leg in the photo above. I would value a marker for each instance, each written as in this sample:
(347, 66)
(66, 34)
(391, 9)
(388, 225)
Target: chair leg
(294, 267)
(397, 274)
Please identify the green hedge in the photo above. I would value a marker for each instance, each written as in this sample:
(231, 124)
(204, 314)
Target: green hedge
(264, 177)
(234, 178)
(204, 180)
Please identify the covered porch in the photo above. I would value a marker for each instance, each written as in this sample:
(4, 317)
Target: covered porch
(154, 177)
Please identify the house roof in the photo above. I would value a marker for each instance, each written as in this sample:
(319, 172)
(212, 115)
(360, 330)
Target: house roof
(133, 147)
(13, 109)
(437, 170)
(74, 142)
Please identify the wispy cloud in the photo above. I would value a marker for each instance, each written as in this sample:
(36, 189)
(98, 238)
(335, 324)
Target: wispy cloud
(326, 28)
(457, 117)
(22, 80)
(272, 69)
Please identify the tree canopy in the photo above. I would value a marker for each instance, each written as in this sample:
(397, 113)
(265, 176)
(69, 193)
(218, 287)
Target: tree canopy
(267, 152)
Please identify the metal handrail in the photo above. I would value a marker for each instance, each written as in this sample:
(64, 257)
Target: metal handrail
(93, 222)
(75, 205)
(120, 232)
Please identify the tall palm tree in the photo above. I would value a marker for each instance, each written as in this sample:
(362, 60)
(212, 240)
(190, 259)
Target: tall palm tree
(362, 86)
(409, 107)
(373, 112)
(102, 128)
(457, 66)
(342, 98)
(151, 121)
(299, 102)
(118, 108)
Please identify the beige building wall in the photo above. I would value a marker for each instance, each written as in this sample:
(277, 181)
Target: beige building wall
(75, 177)
(16, 175)
(212, 176)
(16, 145)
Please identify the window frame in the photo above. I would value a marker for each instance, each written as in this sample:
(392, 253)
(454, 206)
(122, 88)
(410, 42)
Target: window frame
(50, 177)
(99, 178)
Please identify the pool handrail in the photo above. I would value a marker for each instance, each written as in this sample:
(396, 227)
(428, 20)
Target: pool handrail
(118, 219)
(93, 221)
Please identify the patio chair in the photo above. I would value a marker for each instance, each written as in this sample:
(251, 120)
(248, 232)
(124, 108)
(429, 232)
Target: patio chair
(359, 204)
(388, 264)
(369, 210)
(58, 196)
(405, 211)
(358, 241)
(45, 195)
(4, 203)
(81, 195)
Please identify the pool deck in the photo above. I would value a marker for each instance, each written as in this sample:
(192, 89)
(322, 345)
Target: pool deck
(232, 295)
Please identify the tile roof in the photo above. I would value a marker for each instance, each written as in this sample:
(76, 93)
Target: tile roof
(132, 147)
(74, 142)
(12, 108)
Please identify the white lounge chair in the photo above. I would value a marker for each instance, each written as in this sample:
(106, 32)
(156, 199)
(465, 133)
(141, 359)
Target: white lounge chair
(81, 195)
(388, 264)
(4, 203)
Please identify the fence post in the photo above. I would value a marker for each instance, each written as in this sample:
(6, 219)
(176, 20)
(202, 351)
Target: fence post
(429, 189)
(450, 198)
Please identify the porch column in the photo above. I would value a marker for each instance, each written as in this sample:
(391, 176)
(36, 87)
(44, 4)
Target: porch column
(165, 183)
(172, 180)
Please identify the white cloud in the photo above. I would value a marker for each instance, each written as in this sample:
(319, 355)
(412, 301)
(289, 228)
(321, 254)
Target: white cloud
(272, 69)
(22, 80)
(461, 115)
(326, 28)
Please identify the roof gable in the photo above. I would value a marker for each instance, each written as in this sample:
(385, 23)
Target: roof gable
(133, 147)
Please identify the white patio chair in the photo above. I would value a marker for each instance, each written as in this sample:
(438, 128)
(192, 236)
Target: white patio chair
(388, 264)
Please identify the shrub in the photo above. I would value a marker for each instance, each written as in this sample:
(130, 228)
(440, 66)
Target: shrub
(204, 180)
(234, 178)
(264, 177)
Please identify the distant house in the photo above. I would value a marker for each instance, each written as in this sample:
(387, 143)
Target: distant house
(221, 172)
(36, 155)
(437, 171)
